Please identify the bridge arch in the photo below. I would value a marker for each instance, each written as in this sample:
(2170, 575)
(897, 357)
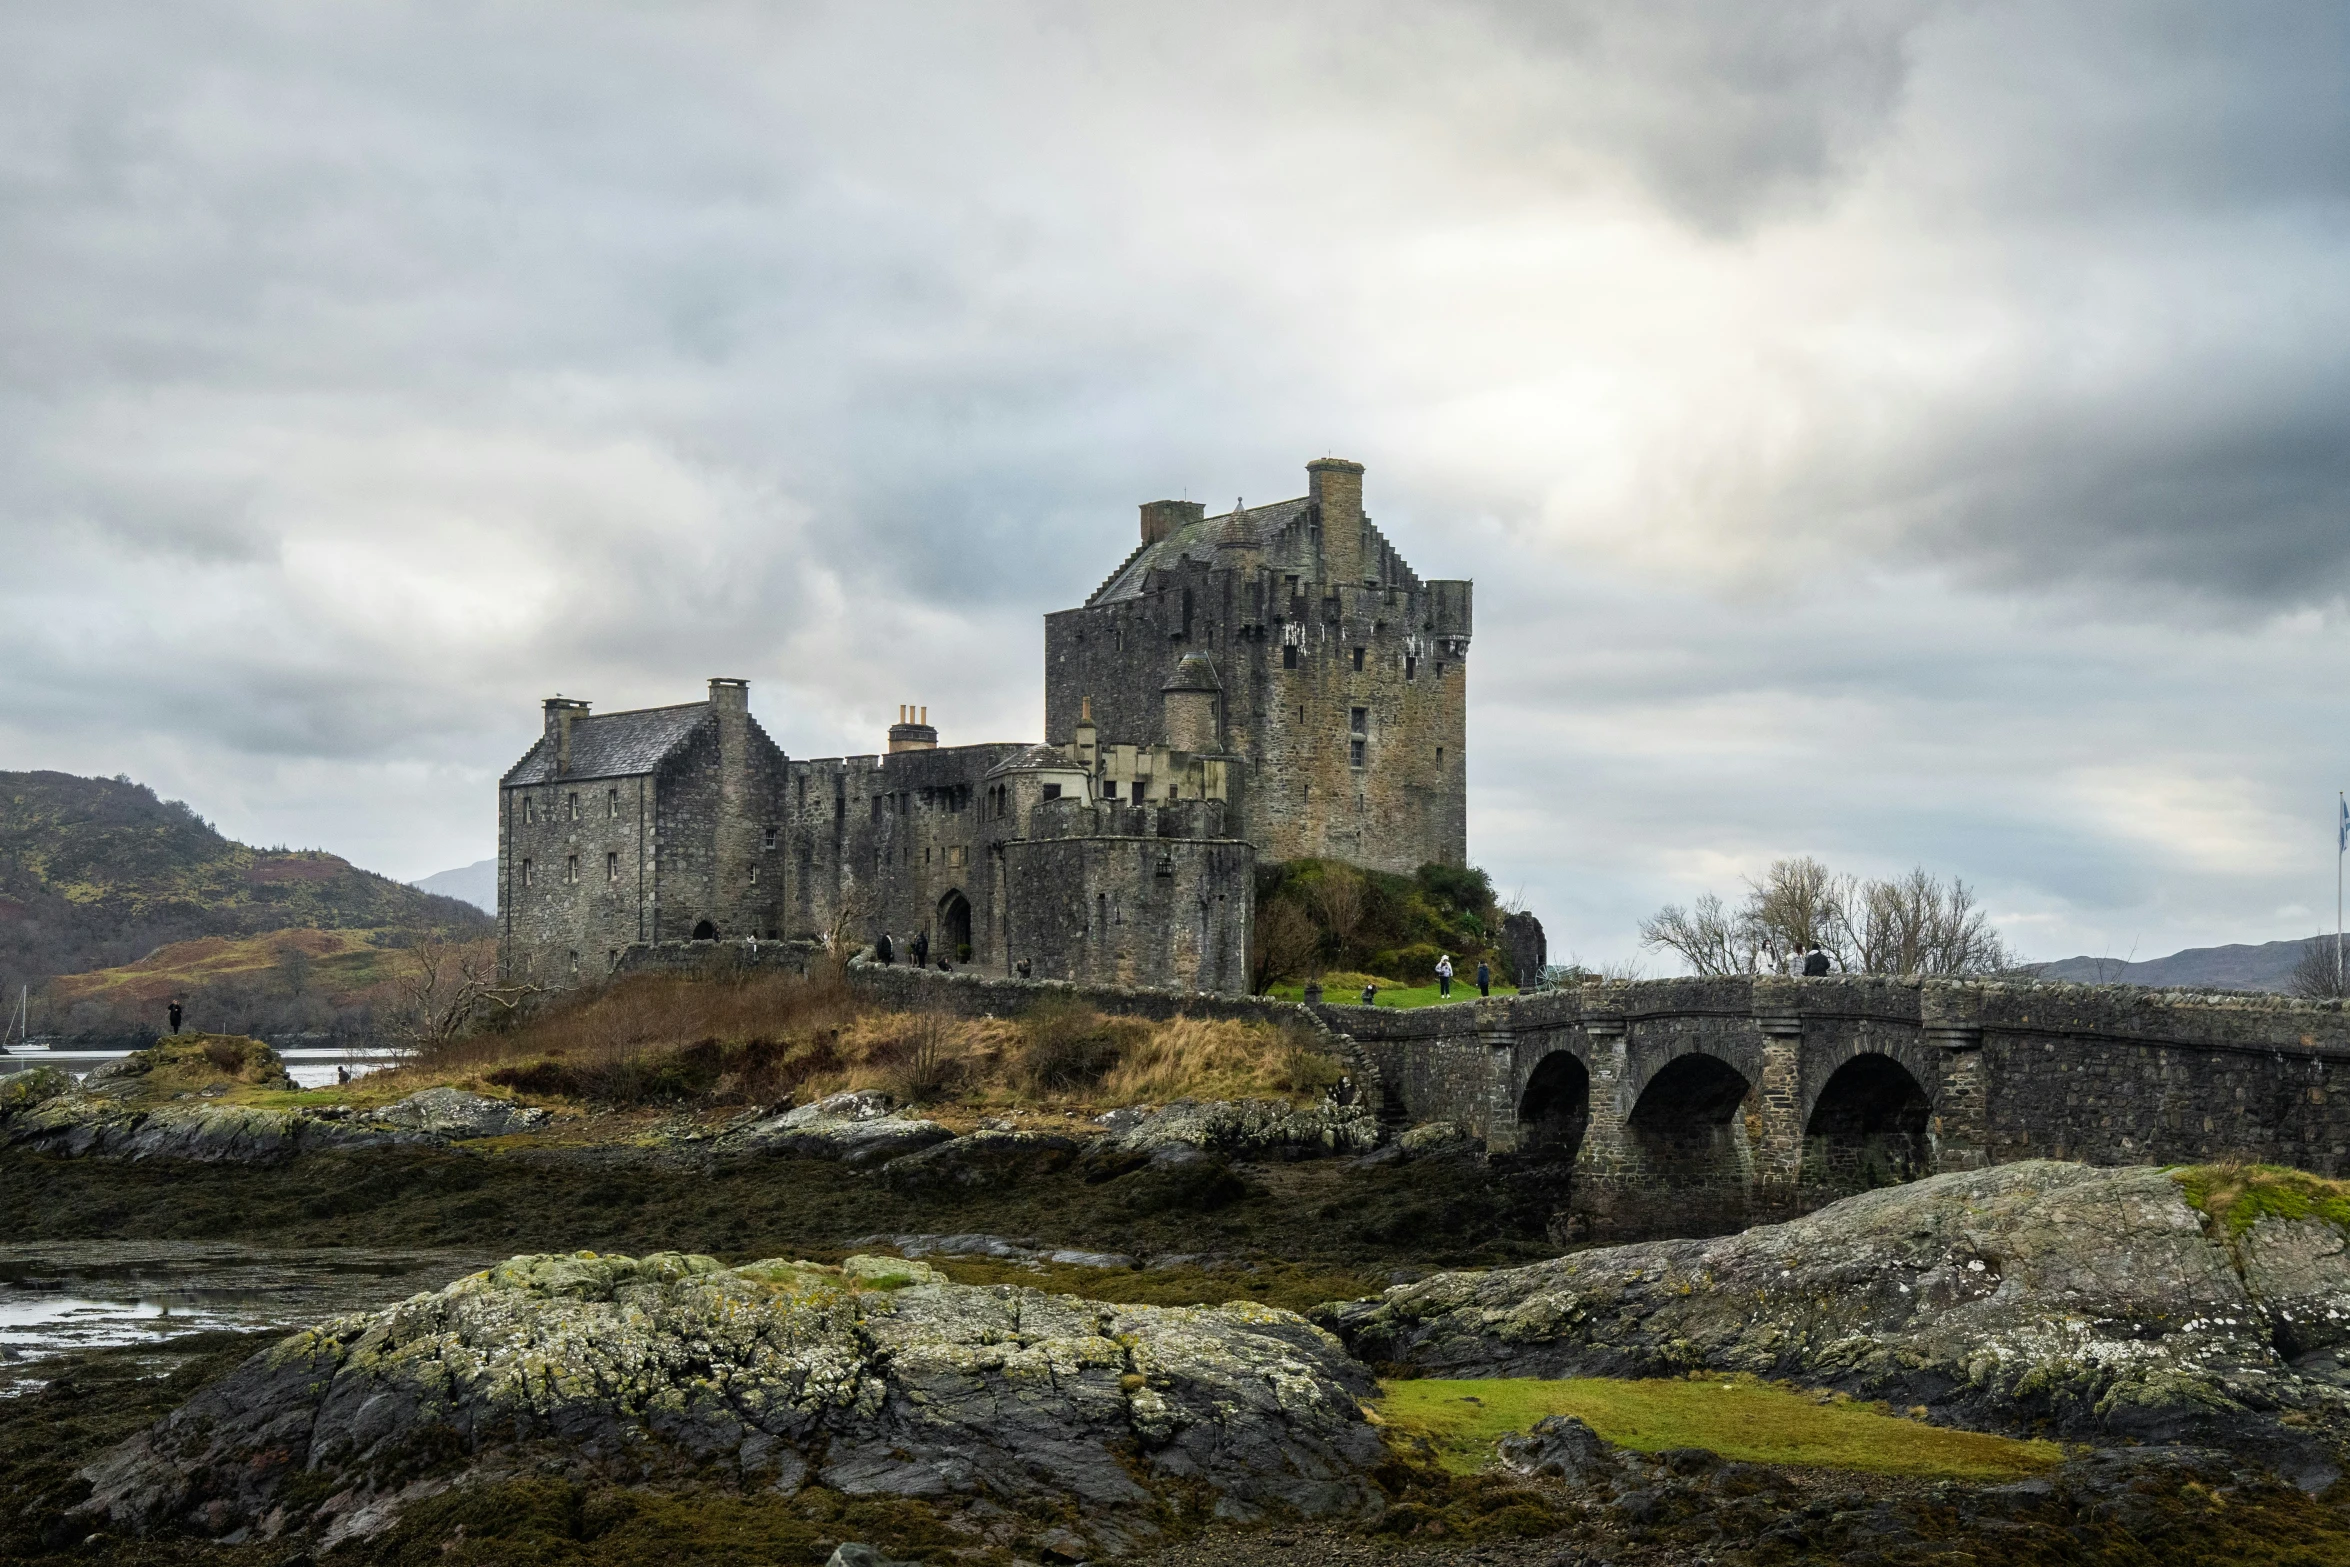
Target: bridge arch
(1867, 1126)
(1555, 1108)
(1685, 1128)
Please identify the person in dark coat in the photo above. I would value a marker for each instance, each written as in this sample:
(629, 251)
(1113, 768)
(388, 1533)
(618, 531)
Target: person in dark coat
(1371, 995)
(1815, 962)
(1021, 968)
(922, 949)
(1484, 978)
(883, 950)
(175, 1017)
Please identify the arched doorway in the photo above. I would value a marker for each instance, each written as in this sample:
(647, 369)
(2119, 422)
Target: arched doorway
(954, 927)
(1868, 1128)
(1555, 1108)
(705, 931)
(1685, 1129)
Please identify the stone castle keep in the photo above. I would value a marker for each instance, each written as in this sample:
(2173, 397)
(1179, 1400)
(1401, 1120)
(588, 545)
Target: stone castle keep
(1268, 684)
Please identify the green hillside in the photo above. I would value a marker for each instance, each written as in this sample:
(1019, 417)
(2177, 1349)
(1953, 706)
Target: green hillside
(96, 873)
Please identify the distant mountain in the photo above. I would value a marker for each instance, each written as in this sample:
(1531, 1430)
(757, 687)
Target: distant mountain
(476, 884)
(97, 872)
(2268, 966)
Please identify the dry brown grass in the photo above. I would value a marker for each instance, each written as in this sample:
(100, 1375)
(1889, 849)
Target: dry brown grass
(763, 1039)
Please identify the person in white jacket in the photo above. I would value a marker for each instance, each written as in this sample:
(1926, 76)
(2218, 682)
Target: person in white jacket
(1444, 974)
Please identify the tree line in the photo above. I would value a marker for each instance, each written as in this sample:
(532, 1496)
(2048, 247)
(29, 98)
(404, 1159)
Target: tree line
(1911, 924)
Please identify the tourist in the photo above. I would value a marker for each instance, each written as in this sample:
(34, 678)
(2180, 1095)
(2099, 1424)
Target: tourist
(175, 1017)
(922, 949)
(1021, 968)
(1484, 978)
(1444, 974)
(1371, 994)
(883, 950)
(1815, 962)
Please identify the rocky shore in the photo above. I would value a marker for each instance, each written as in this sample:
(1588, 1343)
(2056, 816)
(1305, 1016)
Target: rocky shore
(1010, 1407)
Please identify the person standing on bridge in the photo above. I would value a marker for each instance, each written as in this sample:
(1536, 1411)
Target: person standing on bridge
(1444, 974)
(1484, 978)
(1815, 962)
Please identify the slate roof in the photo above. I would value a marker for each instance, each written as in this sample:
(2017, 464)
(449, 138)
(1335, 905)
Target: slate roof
(1258, 528)
(612, 745)
(1035, 758)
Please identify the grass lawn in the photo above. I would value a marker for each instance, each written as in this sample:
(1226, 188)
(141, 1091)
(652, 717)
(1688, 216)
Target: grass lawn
(1346, 990)
(1736, 1417)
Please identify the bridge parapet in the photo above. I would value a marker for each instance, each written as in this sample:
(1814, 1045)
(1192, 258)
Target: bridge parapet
(1715, 1102)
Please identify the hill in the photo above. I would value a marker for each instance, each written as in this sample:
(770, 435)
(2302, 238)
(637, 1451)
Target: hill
(476, 884)
(96, 873)
(2267, 966)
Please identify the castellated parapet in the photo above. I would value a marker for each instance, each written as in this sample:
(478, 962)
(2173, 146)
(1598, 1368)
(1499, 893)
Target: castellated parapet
(1271, 683)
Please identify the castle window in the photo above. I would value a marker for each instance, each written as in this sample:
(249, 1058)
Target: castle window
(611, 867)
(1354, 753)
(526, 873)
(1052, 791)
(803, 789)
(1440, 756)
(754, 875)
(612, 803)
(877, 807)
(571, 870)
(1109, 788)
(1359, 720)
(1101, 912)
(768, 838)
(530, 809)
(1411, 667)
(571, 805)
(1289, 655)
(1292, 581)
(1358, 658)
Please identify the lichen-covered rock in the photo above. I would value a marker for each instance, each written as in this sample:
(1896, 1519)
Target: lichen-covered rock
(454, 1113)
(23, 1090)
(855, 1128)
(1256, 1129)
(975, 1399)
(2094, 1300)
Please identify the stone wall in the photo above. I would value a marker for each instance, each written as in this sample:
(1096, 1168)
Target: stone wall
(1703, 1105)
(1131, 909)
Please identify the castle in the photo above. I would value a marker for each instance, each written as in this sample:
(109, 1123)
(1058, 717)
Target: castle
(1268, 684)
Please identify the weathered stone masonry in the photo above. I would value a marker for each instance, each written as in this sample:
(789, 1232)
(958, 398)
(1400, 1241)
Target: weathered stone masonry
(1704, 1104)
(1275, 680)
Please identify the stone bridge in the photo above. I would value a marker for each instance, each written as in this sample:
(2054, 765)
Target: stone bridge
(1700, 1105)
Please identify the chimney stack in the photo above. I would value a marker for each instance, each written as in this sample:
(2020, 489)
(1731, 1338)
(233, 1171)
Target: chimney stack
(561, 710)
(1336, 488)
(912, 731)
(1162, 518)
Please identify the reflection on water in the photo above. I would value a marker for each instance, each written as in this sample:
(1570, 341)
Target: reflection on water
(61, 1296)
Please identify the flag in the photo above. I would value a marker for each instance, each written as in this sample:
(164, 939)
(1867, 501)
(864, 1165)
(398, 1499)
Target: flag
(2342, 839)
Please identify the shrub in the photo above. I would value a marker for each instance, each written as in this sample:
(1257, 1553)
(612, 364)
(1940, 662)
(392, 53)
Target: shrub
(1070, 1048)
(923, 1066)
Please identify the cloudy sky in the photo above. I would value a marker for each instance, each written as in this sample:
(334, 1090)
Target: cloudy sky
(1893, 432)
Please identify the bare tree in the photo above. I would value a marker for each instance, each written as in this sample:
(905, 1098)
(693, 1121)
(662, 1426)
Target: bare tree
(1799, 904)
(1283, 943)
(2319, 975)
(1710, 938)
(1338, 897)
(445, 991)
(1919, 924)
(1915, 924)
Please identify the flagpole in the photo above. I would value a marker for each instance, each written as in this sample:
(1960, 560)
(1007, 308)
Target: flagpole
(2341, 842)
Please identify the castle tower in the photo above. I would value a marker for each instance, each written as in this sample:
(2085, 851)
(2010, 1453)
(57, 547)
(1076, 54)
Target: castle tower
(1323, 661)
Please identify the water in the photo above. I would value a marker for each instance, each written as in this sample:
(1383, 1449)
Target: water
(308, 1066)
(61, 1296)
